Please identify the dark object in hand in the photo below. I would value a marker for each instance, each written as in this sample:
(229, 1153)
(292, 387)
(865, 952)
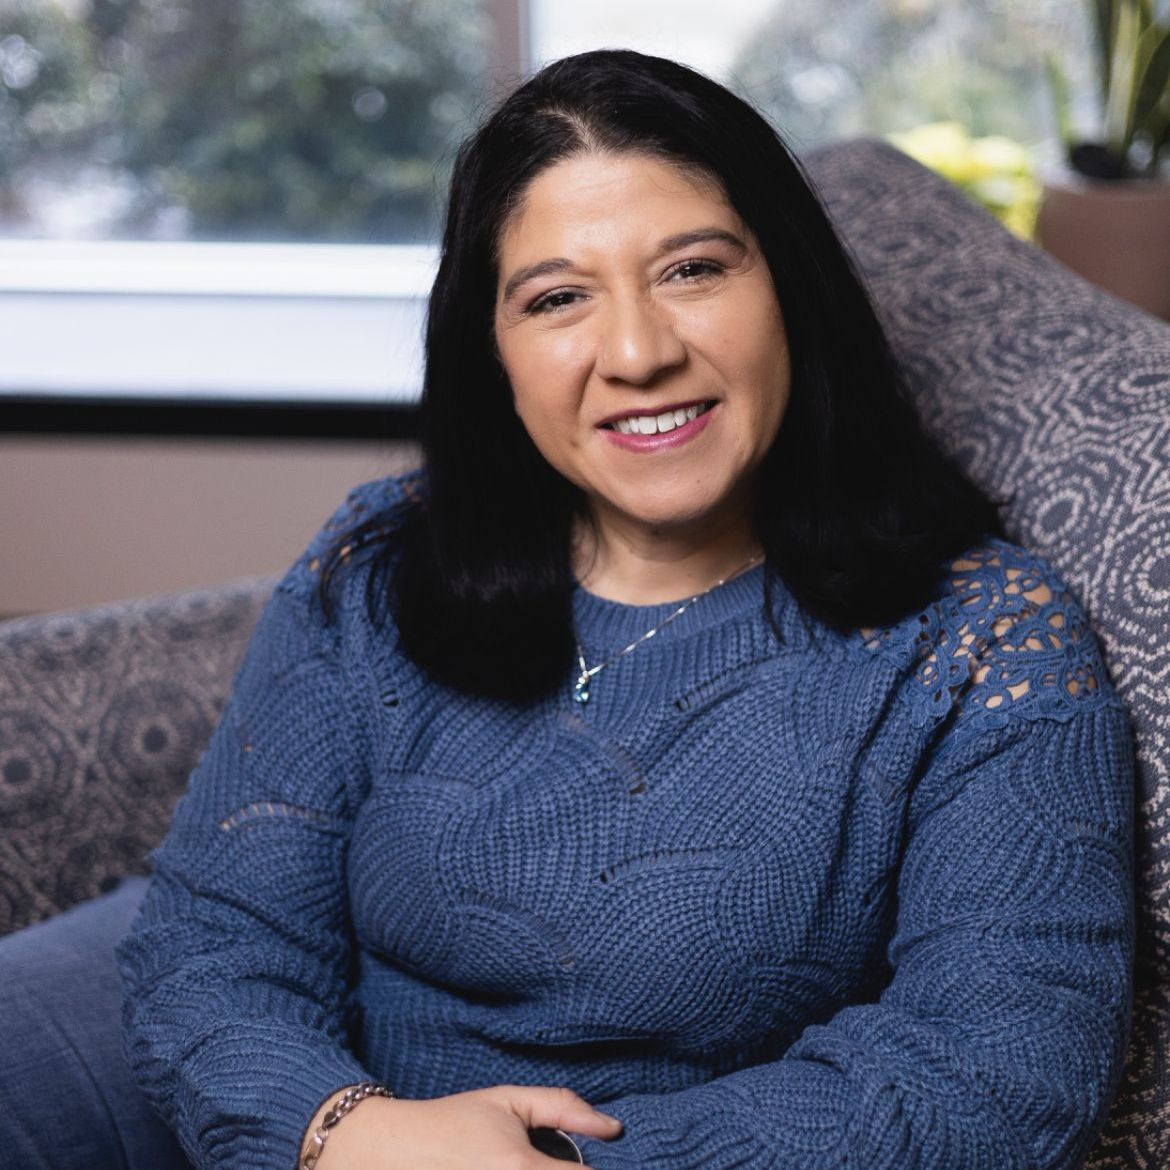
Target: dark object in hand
(554, 1143)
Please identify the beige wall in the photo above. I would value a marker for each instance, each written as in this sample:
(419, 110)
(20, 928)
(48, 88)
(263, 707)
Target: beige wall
(86, 520)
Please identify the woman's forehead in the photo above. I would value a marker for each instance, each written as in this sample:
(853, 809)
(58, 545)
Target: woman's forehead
(605, 190)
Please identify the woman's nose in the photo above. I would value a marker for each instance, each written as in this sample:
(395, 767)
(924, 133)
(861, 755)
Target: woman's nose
(638, 343)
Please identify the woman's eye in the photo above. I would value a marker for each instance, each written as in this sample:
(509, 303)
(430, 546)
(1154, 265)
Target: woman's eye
(552, 301)
(695, 270)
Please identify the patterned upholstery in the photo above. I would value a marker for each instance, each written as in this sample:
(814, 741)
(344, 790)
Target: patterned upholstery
(102, 715)
(1055, 398)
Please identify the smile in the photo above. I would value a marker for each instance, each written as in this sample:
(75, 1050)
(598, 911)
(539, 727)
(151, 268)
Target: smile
(646, 433)
(658, 424)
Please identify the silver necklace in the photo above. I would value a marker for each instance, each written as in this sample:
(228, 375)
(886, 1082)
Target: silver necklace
(588, 673)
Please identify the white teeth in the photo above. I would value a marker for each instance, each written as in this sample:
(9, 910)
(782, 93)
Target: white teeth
(658, 424)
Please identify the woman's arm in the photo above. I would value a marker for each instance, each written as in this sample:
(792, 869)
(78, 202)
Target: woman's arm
(1000, 1037)
(236, 970)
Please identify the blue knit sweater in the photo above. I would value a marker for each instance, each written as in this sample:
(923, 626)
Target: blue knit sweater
(799, 902)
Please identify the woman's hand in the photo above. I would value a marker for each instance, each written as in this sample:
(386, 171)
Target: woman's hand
(483, 1129)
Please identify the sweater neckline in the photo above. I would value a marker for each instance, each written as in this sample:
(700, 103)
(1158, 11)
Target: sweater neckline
(602, 624)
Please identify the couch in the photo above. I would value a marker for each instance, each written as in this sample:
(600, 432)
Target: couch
(1054, 397)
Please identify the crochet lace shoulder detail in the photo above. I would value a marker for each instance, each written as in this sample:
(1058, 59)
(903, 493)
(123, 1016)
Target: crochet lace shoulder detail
(1005, 639)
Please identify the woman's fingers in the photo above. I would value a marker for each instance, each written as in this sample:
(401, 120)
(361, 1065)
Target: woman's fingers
(557, 1109)
(479, 1129)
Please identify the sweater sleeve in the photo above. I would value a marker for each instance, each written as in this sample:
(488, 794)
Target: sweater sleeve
(236, 1019)
(998, 1041)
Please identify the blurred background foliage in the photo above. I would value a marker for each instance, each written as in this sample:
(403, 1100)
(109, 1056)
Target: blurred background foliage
(335, 120)
(996, 172)
(248, 119)
(882, 66)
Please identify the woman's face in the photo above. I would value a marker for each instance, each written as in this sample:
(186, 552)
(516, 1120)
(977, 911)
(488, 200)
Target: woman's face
(640, 331)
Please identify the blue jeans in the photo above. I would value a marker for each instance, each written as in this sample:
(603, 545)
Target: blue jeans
(67, 1098)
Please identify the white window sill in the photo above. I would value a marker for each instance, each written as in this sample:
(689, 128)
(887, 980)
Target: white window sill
(267, 322)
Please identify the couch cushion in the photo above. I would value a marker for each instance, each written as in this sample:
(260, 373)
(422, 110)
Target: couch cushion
(103, 712)
(1055, 397)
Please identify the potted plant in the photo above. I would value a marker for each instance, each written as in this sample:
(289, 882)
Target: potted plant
(1108, 215)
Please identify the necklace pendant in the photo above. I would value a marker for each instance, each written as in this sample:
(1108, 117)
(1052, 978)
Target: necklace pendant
(581, 689)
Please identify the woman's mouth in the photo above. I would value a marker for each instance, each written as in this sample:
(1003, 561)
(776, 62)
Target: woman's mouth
(653, 432)
(659, 424)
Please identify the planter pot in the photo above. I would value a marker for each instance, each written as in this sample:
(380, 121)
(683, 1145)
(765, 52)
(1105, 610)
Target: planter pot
(1116, 234)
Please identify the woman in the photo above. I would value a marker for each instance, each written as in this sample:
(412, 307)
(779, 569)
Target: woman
(686, 740)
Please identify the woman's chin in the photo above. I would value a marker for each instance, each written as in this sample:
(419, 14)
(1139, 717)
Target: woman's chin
(670, 520)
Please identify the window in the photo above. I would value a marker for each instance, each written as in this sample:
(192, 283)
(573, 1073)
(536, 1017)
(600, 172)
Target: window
(218, 201)
(258, 120)
(876, 66)
(212, 201)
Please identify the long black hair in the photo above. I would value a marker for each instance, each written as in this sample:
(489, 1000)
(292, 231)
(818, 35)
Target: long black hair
(856, 509)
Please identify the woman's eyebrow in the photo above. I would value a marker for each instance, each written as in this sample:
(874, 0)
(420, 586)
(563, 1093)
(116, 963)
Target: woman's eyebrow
(700, 236)
(669, 244)
(531, 271)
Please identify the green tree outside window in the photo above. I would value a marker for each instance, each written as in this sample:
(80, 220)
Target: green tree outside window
(317, 120)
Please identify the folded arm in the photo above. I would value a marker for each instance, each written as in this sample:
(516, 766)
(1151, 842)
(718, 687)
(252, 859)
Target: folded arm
(999, 1039)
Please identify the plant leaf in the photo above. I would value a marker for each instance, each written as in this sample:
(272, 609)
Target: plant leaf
(1153, 83)
(1058, 87)
(1157, 126)
(1104, 22)
(1119, 105)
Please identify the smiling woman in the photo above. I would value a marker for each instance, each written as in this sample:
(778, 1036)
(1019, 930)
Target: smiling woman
(731, 771)
(648, 362)
(627, 241)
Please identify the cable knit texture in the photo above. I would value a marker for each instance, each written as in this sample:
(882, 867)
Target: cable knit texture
(794, 902)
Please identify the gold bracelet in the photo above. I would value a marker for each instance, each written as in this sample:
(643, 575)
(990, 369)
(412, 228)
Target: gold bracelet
(343, 1105)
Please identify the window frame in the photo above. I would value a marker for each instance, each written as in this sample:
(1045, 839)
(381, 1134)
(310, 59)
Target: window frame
(134, 306)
